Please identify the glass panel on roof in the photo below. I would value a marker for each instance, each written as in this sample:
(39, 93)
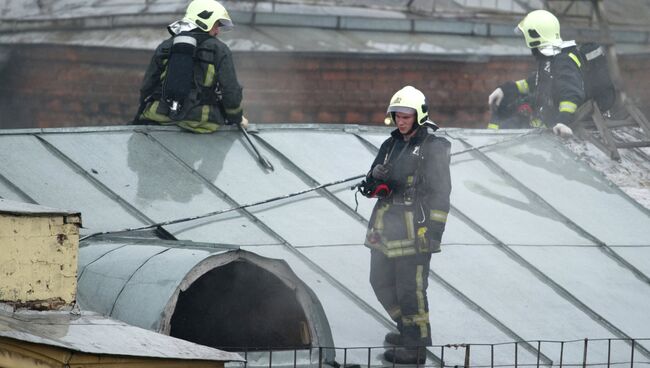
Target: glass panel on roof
(102, 281)
(351, 325)
(51, 182)
(599, 282)
(502, 209)
(513, 295)
(319, 221)
(574, 189)
(452, 321)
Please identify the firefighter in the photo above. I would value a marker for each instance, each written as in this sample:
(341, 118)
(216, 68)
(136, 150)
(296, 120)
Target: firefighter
(191, 80)
(411, 176)
(555, 90)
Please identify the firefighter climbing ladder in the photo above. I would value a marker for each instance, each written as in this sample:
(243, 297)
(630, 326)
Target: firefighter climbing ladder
(599, 129)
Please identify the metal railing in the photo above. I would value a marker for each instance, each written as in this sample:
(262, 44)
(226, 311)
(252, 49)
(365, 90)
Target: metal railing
(601, 353)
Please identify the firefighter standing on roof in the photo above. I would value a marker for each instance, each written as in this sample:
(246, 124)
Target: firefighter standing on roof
(411, 175)
(191, 80)
(555, 90)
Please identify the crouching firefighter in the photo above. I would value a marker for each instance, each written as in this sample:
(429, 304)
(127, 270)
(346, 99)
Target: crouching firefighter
(191, 80)
(567, 76)
(410, 176)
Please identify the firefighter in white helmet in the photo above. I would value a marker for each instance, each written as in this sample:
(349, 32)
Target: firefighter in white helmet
(554, 91)
(410, 176)
(191, 80)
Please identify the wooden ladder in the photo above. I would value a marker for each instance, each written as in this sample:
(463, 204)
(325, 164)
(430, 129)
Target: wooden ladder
(599, 128)
(592, 124)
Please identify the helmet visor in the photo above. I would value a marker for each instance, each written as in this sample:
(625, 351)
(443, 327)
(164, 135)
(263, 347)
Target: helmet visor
(225, 25)
(402, 109)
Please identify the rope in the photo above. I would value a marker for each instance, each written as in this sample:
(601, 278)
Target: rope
(286, 196)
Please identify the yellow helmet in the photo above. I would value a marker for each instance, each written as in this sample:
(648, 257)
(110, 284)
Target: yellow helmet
(540, 28)
(205, 13)
(409, 100)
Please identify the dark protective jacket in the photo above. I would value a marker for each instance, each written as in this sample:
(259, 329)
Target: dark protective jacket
(555, 90)
(216, 96)
(412, 219)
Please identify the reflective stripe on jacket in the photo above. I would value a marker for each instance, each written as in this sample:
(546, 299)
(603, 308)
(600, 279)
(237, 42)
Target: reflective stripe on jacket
(203, 112)
(556, 89)
(412, 219)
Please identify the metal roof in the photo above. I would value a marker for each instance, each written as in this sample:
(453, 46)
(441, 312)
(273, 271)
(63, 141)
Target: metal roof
(95, 334)
(139, 281)
(538, 245)
(21, 208)
(356, 27)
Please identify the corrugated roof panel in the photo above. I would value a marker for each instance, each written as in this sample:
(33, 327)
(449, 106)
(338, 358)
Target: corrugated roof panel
(352, 326)
(51, 182)
(504, 210)
(452, 321)
(512, 294)
(119, 268)
(598, 281)
(575, 190)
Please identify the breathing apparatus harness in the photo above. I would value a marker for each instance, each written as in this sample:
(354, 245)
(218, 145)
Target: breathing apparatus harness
(371, 187)
(180, 91)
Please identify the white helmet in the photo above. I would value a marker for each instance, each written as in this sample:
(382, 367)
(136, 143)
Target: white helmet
(205, 13)
(540, 29)
(409, 100)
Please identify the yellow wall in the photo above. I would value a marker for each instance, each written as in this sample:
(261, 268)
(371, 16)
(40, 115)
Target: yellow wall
(21, 354)
(38, 259)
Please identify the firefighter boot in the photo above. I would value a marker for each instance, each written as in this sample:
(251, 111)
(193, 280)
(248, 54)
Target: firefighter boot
(408, 355)
(393, 338)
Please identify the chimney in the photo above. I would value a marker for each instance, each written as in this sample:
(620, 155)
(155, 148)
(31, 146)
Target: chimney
(38, 256)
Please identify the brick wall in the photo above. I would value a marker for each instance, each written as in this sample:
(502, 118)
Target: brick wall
(52, 86)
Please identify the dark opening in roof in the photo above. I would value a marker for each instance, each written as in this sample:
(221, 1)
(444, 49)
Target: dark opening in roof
(240, 305)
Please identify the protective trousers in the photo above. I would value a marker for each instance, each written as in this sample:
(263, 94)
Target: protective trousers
(400, 284)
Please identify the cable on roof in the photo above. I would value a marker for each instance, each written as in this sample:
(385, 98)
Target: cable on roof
(286, 196)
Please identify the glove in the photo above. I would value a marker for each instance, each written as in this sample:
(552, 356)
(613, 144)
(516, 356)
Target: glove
(381, 172)
(562, 130)
(495, 97)
(244, 123)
